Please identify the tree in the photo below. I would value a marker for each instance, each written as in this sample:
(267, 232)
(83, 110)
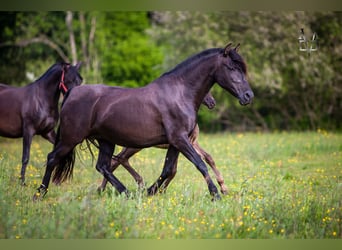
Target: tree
(129, 56)
(11, 65)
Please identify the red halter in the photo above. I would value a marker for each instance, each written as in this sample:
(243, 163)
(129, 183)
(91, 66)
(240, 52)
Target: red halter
(61, 83)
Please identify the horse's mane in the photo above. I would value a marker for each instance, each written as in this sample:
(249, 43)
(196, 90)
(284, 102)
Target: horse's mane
(192, 59)
(51, 70)
(236, 59)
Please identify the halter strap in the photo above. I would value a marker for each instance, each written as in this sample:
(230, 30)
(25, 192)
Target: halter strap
(62, 85)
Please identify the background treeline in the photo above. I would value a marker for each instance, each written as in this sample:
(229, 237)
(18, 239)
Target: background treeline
(294, 90)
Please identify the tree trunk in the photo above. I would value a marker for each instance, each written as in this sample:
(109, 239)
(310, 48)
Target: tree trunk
(84, 44)
(68, 21)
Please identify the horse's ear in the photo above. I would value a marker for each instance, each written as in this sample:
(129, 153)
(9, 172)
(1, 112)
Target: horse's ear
(227, 48)
(78, 65)
(237, 47)
(65, 65)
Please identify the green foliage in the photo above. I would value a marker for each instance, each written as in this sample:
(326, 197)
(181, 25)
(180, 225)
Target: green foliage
(133, 62)
(11, 67)
(130, 57)
(281, 185)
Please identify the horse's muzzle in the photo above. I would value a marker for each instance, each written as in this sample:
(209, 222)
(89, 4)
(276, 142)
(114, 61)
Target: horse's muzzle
(246, 98)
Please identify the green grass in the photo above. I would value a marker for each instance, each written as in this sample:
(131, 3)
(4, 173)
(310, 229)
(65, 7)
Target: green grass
(281, 185)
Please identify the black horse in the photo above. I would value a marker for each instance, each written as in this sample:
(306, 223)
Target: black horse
(33, 109)
(126, 153)
(162, 112)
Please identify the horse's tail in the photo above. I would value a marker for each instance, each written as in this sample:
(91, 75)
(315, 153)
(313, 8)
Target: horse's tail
(64, 169)
(92, 141)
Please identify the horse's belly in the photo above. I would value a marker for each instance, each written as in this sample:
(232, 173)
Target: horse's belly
(136, 137)
(10, 125)
(132, 133)
(10, 131)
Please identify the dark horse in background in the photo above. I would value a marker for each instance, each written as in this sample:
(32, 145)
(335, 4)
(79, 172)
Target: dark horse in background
(126, 153)
(162, 112)
(33, 109)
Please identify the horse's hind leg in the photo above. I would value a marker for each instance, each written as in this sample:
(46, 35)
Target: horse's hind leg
(103, 165)
(138, 179)
(122, 158)
(169, 179)
(54, 158)
(208, 159)
(115, 163)
(168, 171)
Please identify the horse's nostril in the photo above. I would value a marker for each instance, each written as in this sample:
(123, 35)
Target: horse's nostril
(249, 95)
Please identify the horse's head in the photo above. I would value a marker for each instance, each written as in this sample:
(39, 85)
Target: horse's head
(70, 77)
(231, 75)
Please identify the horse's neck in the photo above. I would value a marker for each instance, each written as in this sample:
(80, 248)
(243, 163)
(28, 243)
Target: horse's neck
(198, 81)
(49, 91)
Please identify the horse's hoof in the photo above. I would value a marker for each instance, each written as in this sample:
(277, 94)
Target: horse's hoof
(216, 197)
(22, 181)
(141, 185)
(151, 191)
(100, 190)
(39, 195)
(224, 192)
(127, 193)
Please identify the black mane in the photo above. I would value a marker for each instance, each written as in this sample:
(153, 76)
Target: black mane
(52, 70)
(237, 60)
(192, 59)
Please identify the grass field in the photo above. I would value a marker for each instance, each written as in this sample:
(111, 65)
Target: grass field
(281, 185)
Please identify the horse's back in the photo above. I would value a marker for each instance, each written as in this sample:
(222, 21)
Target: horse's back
(3, 86)
(103, 95)
(6, 87)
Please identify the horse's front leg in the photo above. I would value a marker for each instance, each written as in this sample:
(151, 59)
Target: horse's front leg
(168, 171)
(27, 140)
(169, 179)
(185, 147)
